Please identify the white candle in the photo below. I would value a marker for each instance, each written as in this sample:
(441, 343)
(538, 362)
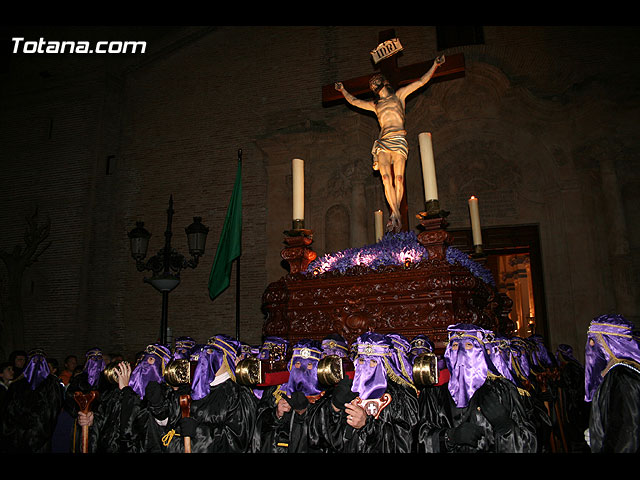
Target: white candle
(428, 167)
(377, 215)
(475, 221)
(297, 168)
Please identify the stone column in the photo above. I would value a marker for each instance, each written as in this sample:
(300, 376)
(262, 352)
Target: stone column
(618, 243)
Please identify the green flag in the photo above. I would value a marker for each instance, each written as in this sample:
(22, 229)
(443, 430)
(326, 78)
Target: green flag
(229, 247)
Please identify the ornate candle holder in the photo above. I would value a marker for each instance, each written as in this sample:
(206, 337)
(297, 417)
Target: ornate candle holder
(479, 254)
(433, 210)
(434, 236)
(297, 253)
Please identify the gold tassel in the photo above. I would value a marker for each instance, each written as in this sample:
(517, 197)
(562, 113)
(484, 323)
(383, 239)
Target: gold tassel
(397, 378)
(166, 439)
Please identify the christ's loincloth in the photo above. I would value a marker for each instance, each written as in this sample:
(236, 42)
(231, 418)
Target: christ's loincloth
(390, 143)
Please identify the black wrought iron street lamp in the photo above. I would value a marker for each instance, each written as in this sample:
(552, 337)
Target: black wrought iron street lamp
(167, 264)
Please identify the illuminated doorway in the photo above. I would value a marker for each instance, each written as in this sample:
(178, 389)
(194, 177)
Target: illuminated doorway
(514, 258)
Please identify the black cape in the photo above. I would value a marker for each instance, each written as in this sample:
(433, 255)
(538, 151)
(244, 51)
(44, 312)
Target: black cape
(224, 419)
(614, 425)
(439, 413)
(289, 434)
(28, 418)
(391, 432)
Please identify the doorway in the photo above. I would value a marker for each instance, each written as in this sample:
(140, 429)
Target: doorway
(514, 258)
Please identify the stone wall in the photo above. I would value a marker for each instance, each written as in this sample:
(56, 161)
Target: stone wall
(542, 128)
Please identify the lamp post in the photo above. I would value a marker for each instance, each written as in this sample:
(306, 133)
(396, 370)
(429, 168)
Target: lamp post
(167, 263)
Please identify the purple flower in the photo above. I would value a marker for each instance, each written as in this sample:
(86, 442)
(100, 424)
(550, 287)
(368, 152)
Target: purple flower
(392, 249)
(455, 256)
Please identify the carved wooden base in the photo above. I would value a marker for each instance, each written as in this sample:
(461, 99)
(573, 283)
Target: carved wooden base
(421, 298)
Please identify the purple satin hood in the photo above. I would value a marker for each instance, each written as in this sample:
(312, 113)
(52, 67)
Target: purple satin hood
(220, 351)
(520, 366)
(539, 352)
(303, 368)
(273, 348)
(610, 341)
(372, 361)
(335, 345)
(500, 355)
(94, 366)
(564, 354)
(420, 344)
(379, 358)
(183, 346)
(37, 368)
(402, 366)
(150, 368)
(468, 361)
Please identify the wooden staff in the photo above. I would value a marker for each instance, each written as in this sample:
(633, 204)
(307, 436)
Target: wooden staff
(84, 401)
(178, 374)
(560, 414)
(185, 408)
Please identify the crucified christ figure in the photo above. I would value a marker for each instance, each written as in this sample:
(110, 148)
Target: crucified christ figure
(391, 148)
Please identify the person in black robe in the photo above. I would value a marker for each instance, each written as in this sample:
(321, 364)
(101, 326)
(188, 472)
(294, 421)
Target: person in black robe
(145, 415)
(575, 410)
(535, 398)
(281, 418)
(545, 377)
(221, 413)
(273, 354)
(373, 413)
(31, 408)
(6, 377)
(132, 415)
(511, 358)
(183, 347)
(68, 434)
(612, 385)
(106, 420)
(478, 410)
(335, 344)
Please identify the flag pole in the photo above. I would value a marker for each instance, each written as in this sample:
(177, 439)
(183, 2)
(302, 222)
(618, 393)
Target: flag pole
(230, 244)
(238, 276)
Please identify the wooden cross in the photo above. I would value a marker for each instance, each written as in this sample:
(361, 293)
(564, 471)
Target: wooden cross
(398, 77)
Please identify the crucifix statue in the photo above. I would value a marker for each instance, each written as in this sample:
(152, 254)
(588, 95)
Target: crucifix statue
(390, 149)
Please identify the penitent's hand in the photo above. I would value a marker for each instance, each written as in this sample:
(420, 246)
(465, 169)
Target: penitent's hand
(124, 373)
(282, 407)
(85, 419)
(356, 416)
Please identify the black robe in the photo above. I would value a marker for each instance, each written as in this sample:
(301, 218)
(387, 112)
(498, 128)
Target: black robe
(535, 406)
(225, 420)
(614, 425)
(111, 431)
(29, 417)
(144, 425)
(574, 408)
(391, 432)
(288, 434)
(438, 413)
(125, 423)
(72, 434)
